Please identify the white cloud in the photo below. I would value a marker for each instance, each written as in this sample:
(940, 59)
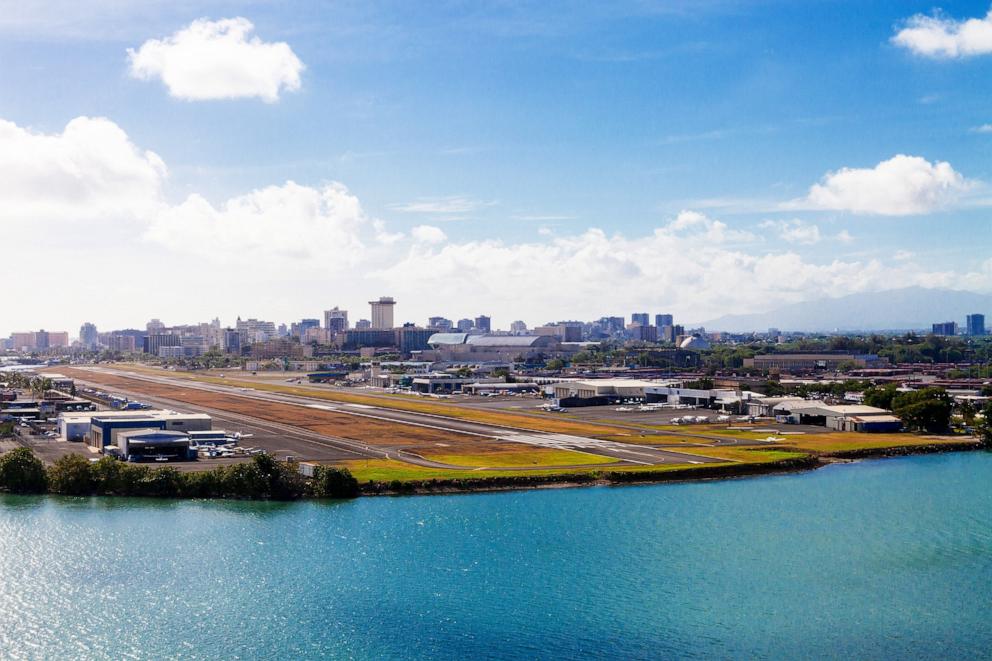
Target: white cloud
(901, 186)
(91, 171)
(984, 128)
(903, 255)
(290, 224)
(794, 231)
(844, 236)
(701, 226)
(439, 205)
(218, 60)
(428, 234)
(942, 37)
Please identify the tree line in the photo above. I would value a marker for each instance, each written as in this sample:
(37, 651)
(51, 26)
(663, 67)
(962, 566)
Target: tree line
(262, 478)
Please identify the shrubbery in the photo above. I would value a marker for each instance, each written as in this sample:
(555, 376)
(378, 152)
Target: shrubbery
(261, 478)
(22, 472)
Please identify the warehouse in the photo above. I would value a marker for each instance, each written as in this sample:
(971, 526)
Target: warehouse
(152, 444)
(600, 392)
(507, 348)
(75, 426)
(846, 417)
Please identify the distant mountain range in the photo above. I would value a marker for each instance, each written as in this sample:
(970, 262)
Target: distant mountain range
(896, 309)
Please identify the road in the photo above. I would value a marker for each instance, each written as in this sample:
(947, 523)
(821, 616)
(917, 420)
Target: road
(623, 453)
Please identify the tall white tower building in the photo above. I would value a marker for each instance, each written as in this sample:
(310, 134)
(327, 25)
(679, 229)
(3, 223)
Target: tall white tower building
(382, 312)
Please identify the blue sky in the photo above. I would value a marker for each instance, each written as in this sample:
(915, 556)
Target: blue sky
(520, 126)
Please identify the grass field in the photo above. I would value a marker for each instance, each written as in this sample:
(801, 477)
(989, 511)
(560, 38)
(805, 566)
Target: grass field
(523, 457)
(386, 470)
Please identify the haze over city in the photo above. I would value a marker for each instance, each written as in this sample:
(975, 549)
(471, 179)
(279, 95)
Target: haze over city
(528, 161)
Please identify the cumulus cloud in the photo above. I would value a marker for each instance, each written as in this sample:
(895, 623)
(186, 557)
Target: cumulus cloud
(984, 128)
(943, 37)
(901, 186)
(91, 171)
(290, 224)
(701, 226)
(218, 60)
(428, 234)
(794, 231)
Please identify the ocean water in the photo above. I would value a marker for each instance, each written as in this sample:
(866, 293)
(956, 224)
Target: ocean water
(881, 559)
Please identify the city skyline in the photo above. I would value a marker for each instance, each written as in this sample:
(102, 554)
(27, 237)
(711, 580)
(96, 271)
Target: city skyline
(551, 161)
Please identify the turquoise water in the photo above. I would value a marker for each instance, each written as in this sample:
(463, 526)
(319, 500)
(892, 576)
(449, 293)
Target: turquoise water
(881, 559)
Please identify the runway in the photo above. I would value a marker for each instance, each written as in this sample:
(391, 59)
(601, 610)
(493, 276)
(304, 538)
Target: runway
(292, 440)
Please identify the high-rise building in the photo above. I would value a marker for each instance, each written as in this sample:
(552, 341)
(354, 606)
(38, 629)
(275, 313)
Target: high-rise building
(946, 328)
(231, 340)
(336, 320)
(518, 327)
(299, 329)
(662, 320)
(975, 324)
(88, 336)
(465, 325)
(483, 323)
(642, 318)
(155, 327)
(255, 330)
(382, 312)
(439, 324)
(156, 341)
(121, 343)
(363, 324)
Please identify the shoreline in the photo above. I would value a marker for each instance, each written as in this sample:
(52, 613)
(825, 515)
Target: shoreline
(809, 463)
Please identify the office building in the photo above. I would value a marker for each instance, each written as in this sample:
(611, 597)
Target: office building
(336, 320)
(300, 328)
(483, 323)
(154, 343)
(946, 328)
(975, 324)
(121, 343)
(382, 312)
(440, 324)
(642, 318)
(518, 327)
(662, 320)
(465, 325)
(255, 330)
(89, 338)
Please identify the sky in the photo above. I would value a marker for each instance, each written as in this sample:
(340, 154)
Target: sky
(526, 160)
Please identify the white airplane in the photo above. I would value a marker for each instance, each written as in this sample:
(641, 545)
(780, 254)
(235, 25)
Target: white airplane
(723, 418)
(238, 435)
(623, 408)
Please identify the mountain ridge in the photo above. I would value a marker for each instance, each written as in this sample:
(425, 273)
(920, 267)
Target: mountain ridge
(909, 308)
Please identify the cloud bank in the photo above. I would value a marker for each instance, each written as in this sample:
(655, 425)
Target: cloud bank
(290, 250)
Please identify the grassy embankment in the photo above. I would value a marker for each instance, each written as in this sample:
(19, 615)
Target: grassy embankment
(386, 470)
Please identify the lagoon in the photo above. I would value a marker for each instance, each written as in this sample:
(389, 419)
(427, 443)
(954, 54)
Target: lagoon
(884, 559)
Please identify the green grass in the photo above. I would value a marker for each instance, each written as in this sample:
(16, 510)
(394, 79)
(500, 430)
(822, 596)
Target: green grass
(524, 457)
(388, 470)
